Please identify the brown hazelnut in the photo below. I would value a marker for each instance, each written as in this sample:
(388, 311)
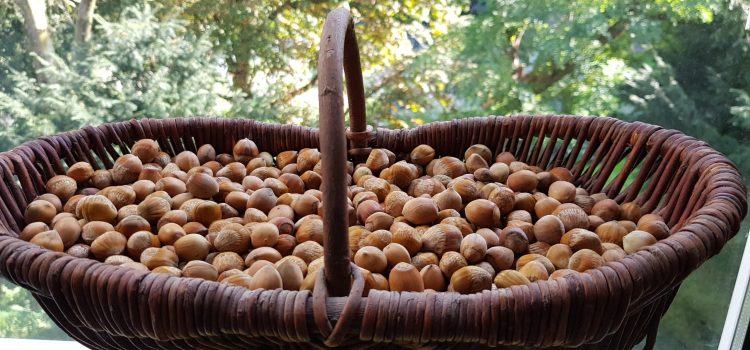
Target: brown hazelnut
(585, 259)
(522, 181)
(422, 155)
(421, 211)
(471, 279)
(405, 278)
(483, 213)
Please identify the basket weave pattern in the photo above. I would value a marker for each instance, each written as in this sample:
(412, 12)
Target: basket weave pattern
(696, 189)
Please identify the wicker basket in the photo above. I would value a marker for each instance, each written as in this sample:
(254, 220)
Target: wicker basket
(697, 190)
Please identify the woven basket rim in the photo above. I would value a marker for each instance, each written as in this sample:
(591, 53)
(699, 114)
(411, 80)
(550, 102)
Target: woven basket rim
(715, 166)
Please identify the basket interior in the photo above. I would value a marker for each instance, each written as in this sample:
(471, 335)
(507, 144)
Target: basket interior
(621, 159)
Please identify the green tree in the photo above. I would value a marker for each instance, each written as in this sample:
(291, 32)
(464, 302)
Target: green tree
(21, 316)
(138, 66)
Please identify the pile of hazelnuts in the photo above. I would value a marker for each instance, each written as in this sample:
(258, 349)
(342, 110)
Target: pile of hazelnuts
(418, 222)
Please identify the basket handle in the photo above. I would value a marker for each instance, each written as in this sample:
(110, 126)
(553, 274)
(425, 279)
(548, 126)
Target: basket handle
(338, 47)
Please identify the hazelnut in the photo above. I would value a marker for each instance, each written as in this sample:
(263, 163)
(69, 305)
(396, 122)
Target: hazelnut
(80, 172)
(69, 230)
(62, 186)
(206, 212)
(371, 259)
(490, 237)
(471, 279)
(514, 239)
(202, 185)
(126, 170)
(584, 239)
(563, 191)
(408, 237)
(405, 278)
(559, 255)
(501, 258)
(611, 232)
(267, 234)
(483, 213)
(465, 188)
(549, 229)
(107, 244)
(499, 172)
(607, 209)
(307, 159)
(522, 181)
(508, 278)
(572, 216)
(48, 239)
(102, 179)
(40, 210)
(634, 241)
(200, 269)
(422, 155)
(585, 259)
(421, 260)
(562, 273)
(630, 211)
(432, 278)
(32, 230)
(308, 251)
(396, 253)
(226, 261)
(153, 208)
(441, 238)
(266, 278)
(449, 166)
(291, 275)
(448, 199)
(656, 228)
(450, 262)
(473, 248)
(535, 271)
(420, 211)
(140, 241)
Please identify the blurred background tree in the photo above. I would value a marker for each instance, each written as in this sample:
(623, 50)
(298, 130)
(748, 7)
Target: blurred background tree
(680, 64)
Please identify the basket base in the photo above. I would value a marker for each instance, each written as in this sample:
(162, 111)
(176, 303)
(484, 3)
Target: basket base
(635, 328)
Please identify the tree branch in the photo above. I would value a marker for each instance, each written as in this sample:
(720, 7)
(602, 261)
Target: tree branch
(539, 81)
(385, 82)
(542, 81)
(240, 72)
(614, 31)
(298, 91)
(39, 35)
(84, 21)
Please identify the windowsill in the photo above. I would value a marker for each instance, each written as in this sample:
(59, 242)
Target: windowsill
(23, 344)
